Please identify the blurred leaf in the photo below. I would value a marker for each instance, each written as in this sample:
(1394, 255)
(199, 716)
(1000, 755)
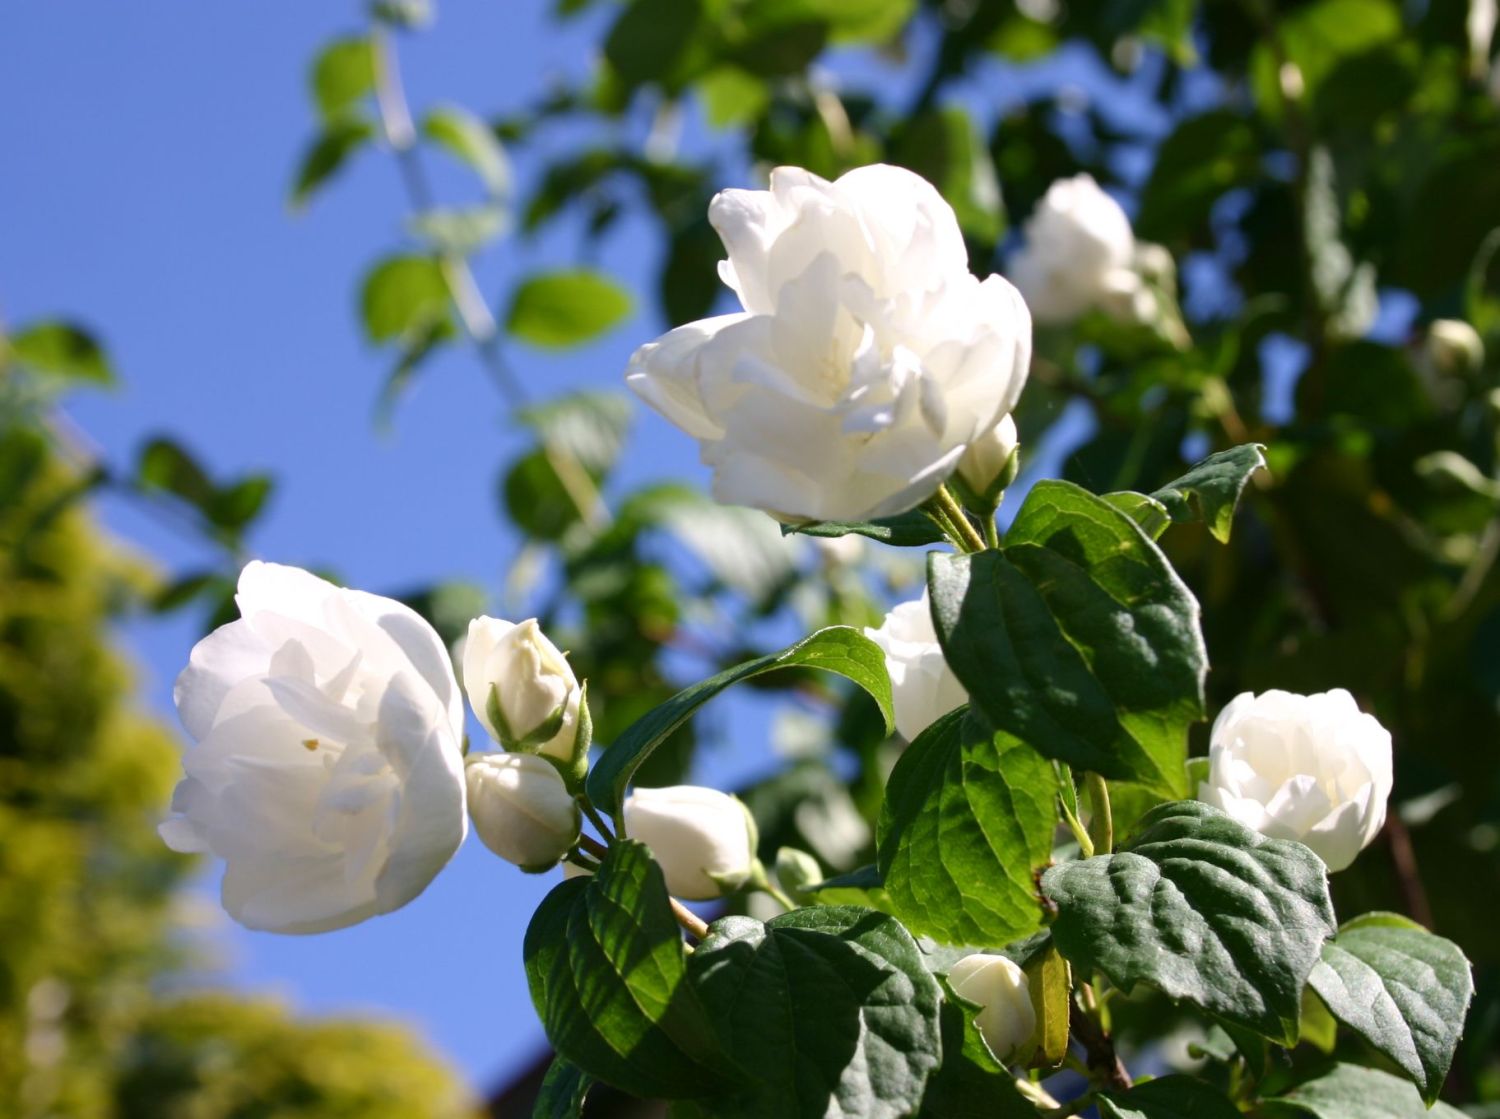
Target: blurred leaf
(1204, 157)
(1345, 290)
(535, 499)
(406, 14)
(1169, 1097)
(837, 649)
(458, 232)
(235, 506)
(472, 141)
(657, 41)
(60, 349)
(414, 352)
(342, 75)
(404, 297)
(165, 465)
(731, 96)
(590, 425)
(327, 154)
(1315, 38)
(561, 309)
(690, 279)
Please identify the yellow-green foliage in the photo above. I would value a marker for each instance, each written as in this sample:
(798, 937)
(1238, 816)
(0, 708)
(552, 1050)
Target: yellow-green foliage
(86, 886)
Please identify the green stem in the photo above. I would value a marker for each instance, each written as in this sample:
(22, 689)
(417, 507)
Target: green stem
(1080, 833)
(991, 531)
(1101, 819)
(593, 846)
(970, 540)
(596, 819)
(944, 523)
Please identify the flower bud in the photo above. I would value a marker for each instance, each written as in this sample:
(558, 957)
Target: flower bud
(795, 871)
(1000, 989)
(1312, 768)
(522, 689)
(923, 687)
(991, 463)
(1454, 348)
(521, 808)
(703, 839)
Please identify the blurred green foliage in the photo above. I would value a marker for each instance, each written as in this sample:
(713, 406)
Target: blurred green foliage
(90, 910)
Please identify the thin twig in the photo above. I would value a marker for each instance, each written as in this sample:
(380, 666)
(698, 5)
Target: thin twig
(696, 926)
(1098, 1048)
(945, 501)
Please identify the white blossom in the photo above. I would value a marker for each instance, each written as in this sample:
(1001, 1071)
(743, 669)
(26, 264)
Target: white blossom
(328, 772)
(1313, 768)
(923, 687)
(703, 839)
(1078, 254)
(866, 356)
(998, 986)
(522, 809)
(986, 467)
(521, 687)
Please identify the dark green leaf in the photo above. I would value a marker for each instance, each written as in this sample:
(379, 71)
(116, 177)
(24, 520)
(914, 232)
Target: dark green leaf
(1211, 490)
(828, 1010)
(608, 976)
(944, 147)
(562, 1092)
(837, 649)
(905, 530)
(1079, 639)
(657, 41)
(232, 507)
(1205, 157)
(967, 821)
(61, 349)
(1354, 1092)
(560, 309)
(327, 154)
(1204, 909)
(404, 296)
(1315, 38)
(1402, 989)
(1169, 1097)
(1145, 511)
(589, 425)
(166, 465)
(468, 138)
(342, 74)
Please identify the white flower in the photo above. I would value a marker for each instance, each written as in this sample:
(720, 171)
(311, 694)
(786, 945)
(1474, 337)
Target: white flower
(1454, 348)
(1079, 253)
(521, 687)
(1313, 768)
(703, 839)
(986, 467)
(923, 687)
(521, 808)
(866, 358)
(328, 772)
(999, 987)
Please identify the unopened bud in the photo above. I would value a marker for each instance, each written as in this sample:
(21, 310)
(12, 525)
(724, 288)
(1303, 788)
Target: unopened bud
(1454, 347)
(522, 688)
(998, 986)
(521, 808)
(703, 839)
(796, 870)
(990, 464)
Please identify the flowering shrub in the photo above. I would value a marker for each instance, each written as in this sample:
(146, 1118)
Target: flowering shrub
(1044, 670)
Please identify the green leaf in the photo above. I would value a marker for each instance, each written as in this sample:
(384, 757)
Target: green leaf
(1197, 164)
(731, 96)
(458, 231)
(970, 1083)
(657, 41)
(905, 530)
(327, 154)
(1168, 1097)
(967, 821)
(1145, 511)
(837, 649)
(828, 1010)
(608, 976)
(1079, 639)
(1211, 490)
(60, 349)
(560, 309)
(165, 465)
(588, 424)
(944, 147)
(1051, 986)
(404, 297)
(1203, 909)
(562, 1092)
(1354, 1092)
(1402, 989)
(473, 142)
(1315, 38)
(342, 74)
